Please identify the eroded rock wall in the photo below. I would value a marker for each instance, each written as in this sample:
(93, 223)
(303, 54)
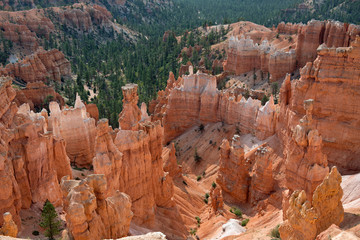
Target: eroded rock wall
(306, 219)
(78, 130)
(331, 82)
(195, 100)
(93, 215)
(132, 162)
(37, 95)
(40, 66)
(32, 158)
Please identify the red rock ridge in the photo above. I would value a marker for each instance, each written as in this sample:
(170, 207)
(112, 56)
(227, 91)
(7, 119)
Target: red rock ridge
(40, 66)
(288, 48)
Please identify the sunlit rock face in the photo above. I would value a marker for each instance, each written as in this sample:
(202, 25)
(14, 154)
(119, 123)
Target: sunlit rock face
(196, 100)
(40, 66)
(306, 219)
(132, 161)
(78, 130)
(244, 56)
(32, 158)
(37, 95)
(335, 109)
(234, 177)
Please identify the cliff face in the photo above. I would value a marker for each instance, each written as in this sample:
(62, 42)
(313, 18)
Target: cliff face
(315, 33)
(196, 100)
(77, 129)
(28, 27)
(40, 66)
(306, 165)
(335, 122)
(131, 114)
(33, 159)
(10, 197)
(93, 215)
(244, 56)
(280, 53)
(306, 219)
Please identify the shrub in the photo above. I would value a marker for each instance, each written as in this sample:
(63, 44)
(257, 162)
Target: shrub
(213, 184)
(244, 222)
(198, 178)
(197, 158)
(206, 200)
(201, 128)
(236, 211)
(198, 220)
(193, 231)
(264, 100)
(207, 195)
(275, 232)
(238, 131)
(35, 233)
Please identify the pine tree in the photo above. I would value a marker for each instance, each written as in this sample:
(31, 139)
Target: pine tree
(49, 220)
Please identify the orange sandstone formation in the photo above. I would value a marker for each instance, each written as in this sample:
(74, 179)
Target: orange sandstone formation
(37, 95)
(170, 163)
(91, 214)
(93, 111)
(306, 219)
(266, 120)
(315, 33)
(217, 202)
(245, 56)
(132, 162)
(32, 158)
(10, 197)
(279, 53)
(305, 163)
(9, 227)
(234, 177)
(335, 122)
(131, 114)
(29, 26)
(40, 66)
(196, 100)
(262, 181)
(77, 129)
